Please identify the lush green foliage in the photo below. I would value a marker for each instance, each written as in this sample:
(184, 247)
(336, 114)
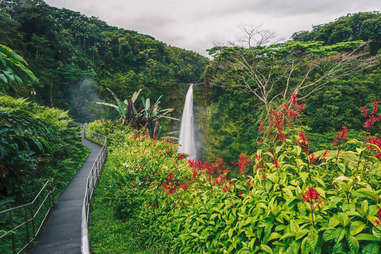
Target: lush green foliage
(129, 188)
(284, 199)
(233, 110)
(14, 73)
(36, 143)
(65, 48)
(359, 26)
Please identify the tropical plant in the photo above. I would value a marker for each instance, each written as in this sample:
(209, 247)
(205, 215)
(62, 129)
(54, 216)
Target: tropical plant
(14, 71)
(146, 116)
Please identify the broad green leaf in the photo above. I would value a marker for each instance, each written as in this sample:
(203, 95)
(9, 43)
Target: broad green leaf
(356, 227)
(353, 244)
(372, 248)
(367, 237)
(266, 248)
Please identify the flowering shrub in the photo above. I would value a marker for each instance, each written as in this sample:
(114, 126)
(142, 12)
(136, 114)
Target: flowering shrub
(285, 198)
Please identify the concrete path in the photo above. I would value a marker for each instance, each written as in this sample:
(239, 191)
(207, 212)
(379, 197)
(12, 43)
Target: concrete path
(62, 232)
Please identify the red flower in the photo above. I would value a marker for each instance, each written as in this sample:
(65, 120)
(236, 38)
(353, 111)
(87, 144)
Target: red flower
(184, 186)
(325, 154)
(374, 111)
(194, 173)
(343, 134)
(293, 114)
(260, 126)
(377, 142)
(294, 99)
(312, 158)
(263, 176)
(302, 141)
(219, 180)
(378, 215)
(370, 122)
(276, 164)
(334, 142)
(311, 194)
(302, 106)
(242, 163)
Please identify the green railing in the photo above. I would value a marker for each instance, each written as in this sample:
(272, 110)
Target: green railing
(21, 224)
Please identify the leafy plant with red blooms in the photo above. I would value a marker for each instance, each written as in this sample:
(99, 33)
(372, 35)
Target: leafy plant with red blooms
(373, 116)
(261, 210)
(312, 158)
(310, 195)
(341, 137)
(242, 163)
(378, 215)
(375, 145)
(260, 125)
(325, 154)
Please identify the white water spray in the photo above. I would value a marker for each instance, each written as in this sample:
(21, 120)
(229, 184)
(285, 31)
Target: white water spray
(187, 130)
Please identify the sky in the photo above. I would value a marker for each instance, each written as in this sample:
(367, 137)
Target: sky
(201, 24)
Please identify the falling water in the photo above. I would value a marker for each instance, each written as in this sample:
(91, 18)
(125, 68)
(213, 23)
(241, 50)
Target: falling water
(187, 135)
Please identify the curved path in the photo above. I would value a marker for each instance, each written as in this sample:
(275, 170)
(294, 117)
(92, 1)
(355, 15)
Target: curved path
(62, 232)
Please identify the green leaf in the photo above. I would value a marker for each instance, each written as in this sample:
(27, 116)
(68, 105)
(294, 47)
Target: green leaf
(353, 244)
(372, 248)
(230, 233)
(334, 221)
(357, 227)
(300, 234)
(266, 248)
(367, 237)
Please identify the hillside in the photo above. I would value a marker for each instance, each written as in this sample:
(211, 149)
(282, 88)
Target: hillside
(232, 126)
(358, 26)
(77, 57)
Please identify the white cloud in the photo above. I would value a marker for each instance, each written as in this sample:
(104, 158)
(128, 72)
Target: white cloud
(199, 24)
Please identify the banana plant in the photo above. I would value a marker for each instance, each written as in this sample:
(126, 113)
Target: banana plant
(126, 108)
(146, 116)
(151, 115)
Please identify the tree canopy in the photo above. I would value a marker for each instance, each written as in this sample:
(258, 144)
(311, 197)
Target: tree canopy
(64, 48)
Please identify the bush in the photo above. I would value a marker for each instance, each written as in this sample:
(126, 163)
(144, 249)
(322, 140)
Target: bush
(37, 143)
(284, 198)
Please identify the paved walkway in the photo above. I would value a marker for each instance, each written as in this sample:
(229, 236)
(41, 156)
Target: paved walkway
(62, 232)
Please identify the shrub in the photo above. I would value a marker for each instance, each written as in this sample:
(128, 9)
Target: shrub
(36, 143)
(285, 198)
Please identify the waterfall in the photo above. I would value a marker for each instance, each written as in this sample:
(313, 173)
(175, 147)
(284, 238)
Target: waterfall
(187, 131)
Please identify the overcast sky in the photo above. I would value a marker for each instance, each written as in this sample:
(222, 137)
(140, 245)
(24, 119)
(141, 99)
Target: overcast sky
(201, 24)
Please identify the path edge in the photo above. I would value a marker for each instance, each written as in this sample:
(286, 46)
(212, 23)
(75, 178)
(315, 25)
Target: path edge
(91, 182)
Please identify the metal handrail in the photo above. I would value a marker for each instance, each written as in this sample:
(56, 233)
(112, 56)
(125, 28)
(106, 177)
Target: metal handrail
(30, 216)
(91, 182)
